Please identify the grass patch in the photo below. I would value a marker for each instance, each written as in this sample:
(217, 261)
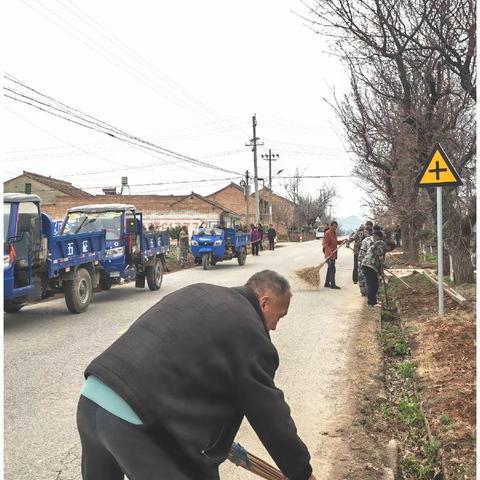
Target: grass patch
(400, 348)
(432, 448)
(414, 466)
(406, 369)
(408, 411)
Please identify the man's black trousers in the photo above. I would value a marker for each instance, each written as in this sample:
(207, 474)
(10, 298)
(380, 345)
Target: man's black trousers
(271, 242)
(255, 247)
(330, 278)
(355, 268)
(371, 279)
(112, 448)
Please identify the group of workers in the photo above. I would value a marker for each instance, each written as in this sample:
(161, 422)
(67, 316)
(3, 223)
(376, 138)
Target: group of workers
(370, 245)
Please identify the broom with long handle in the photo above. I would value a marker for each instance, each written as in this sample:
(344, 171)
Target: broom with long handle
(240, 457)
(312, 274)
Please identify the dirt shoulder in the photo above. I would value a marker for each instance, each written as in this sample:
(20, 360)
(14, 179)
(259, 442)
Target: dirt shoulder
(444, 353)
(412, 378)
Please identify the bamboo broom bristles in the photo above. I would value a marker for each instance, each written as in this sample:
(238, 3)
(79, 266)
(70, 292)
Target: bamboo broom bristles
(240, 457)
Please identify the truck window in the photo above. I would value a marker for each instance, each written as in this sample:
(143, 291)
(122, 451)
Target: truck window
(6, 221)
(81, 222)
(28, 229)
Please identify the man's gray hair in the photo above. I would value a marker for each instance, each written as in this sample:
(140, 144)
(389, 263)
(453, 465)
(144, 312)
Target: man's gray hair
(268, 280)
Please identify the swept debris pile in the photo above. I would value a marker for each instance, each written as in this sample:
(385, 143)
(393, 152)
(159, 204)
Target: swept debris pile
(310, 275)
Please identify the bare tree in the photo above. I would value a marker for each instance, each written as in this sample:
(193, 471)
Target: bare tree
(412, 70)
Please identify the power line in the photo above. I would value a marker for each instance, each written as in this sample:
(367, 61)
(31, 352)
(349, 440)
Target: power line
(98, 125)
(151, 184)
(112, 56)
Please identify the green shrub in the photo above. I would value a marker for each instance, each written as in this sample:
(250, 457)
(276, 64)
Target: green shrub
(409, 411)
(400, 348)
(406, 369)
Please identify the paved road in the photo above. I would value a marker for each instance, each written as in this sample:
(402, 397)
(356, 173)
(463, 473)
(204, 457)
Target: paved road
(47, 349)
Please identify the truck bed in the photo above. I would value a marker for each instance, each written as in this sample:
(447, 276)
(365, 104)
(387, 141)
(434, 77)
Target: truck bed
(74, 249)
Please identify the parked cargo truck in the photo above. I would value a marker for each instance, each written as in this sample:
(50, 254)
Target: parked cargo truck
(37, 263)
(132, 252)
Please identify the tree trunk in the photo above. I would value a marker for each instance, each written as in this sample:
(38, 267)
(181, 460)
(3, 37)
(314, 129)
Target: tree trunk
(461, 263)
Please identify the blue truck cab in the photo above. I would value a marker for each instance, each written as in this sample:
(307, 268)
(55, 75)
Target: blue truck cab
(132, 252)
(210, 245)
(37, 263)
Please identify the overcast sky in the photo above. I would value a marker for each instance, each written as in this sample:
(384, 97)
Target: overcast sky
(186, 75)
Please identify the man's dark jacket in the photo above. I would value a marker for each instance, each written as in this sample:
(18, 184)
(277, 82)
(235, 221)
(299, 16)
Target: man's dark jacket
(191, 367)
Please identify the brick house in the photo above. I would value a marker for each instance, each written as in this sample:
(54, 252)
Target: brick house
(283, 211)
(49, 189)
(160, 210)
(233, 197)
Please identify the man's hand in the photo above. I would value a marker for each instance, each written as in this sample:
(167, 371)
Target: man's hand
(312, 477)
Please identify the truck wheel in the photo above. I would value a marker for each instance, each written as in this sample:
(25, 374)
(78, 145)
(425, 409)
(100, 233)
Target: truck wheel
(78, 292)
(206, 261)
(213, 261)
(155, 275)
(242, 257)
(106, 284)
(12, 308)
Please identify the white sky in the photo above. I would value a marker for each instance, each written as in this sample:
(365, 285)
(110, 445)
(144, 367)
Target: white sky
(197, 74)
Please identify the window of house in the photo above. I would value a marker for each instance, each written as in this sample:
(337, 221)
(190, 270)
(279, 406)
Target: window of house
(28, 188)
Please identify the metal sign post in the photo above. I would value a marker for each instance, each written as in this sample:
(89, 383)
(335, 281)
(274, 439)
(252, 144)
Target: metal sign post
(441, 306)
(438, 172)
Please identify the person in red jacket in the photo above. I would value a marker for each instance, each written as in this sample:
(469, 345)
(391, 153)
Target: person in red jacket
(330, 244)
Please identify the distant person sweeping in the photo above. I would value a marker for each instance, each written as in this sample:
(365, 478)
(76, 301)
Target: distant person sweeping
(330, 245)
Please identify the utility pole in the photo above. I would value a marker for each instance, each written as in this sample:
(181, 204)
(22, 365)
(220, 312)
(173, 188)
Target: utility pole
(254, 143)
(246, 185)
(270, 158)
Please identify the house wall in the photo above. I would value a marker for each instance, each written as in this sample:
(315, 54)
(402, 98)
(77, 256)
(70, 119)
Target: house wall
(156, 210)
(47, 194)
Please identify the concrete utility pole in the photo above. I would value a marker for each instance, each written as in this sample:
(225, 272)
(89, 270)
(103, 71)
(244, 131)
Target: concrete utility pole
(254, 143)
(246, 185)
(270, 157)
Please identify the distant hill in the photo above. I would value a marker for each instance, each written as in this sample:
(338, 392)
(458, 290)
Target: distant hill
(348, 224)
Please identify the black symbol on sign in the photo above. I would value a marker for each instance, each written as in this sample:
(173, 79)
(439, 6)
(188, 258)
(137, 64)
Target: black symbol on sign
(437, 170)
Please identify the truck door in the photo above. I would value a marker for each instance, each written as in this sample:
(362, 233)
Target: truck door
(130, 234)
(26, 243)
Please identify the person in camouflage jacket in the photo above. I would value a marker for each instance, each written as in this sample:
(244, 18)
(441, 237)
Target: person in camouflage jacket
(364, 246)
(372, 266)
(357, 242)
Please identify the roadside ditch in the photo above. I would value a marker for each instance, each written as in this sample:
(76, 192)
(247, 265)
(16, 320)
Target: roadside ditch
(413, 389)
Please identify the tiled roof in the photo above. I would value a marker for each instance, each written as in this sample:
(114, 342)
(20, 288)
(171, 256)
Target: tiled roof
(211, 202)
(231, 184)
(55, 183)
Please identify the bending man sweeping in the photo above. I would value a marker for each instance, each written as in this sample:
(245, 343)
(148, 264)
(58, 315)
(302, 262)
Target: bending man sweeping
(166, 400)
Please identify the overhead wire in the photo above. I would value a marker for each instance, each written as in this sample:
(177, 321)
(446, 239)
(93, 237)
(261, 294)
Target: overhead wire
(137, 57)
(111, 57)
(100, 126)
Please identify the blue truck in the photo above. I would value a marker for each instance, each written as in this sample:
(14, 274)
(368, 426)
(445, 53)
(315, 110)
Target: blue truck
(37, 263)
(132, 252)
(212, 245)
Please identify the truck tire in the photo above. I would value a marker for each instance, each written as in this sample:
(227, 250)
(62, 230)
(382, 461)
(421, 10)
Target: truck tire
(78, 292)
(106, 284)
(206, 261)
(213, 261)
(155, 275)
(242, 257)
(12, 308)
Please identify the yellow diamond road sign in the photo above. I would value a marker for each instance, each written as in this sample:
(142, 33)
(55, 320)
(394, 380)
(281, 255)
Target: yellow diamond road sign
(439, 171)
